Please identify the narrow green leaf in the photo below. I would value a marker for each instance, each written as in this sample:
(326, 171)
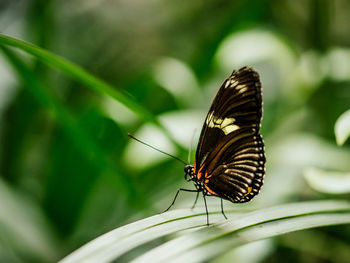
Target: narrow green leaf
(78, 136)
(342, 128)
(121, 240)
(212, 248)
(78, 74)
(114, 244)
(85, 78)
(331, 182)
(208, 242)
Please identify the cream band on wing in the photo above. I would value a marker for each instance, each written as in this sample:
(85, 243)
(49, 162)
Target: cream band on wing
(226, 125)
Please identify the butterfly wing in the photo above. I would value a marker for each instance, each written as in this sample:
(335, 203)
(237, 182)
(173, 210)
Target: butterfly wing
(230, 157)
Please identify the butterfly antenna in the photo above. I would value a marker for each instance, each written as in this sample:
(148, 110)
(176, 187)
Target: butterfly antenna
(154, 148)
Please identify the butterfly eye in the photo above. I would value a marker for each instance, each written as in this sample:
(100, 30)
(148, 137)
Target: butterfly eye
(188, 169)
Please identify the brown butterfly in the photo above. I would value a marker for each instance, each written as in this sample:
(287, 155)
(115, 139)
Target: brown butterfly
(230, 158)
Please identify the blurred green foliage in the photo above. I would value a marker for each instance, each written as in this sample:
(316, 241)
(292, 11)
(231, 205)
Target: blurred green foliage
(68, 171)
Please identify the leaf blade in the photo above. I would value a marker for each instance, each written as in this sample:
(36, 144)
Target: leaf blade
(105, 244)
(342, 128)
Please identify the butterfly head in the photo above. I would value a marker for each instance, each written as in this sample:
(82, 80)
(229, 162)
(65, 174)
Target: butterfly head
(190, 176)
(189, 173)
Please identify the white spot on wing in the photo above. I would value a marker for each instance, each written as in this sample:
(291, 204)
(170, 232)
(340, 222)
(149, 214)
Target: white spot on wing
(234, 82)
(230, 128)
(227, 121)
(209, 118)
(226, 125)
(242, 90)
(241, 86)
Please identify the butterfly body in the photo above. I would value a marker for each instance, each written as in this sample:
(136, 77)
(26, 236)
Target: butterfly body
(230, 159)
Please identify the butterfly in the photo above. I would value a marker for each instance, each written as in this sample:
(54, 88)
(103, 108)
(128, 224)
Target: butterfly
(230, 158)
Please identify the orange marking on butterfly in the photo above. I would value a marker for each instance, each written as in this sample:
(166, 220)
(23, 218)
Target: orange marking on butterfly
(249, 190)
(208, 176)
(199, 174)
(209, 190)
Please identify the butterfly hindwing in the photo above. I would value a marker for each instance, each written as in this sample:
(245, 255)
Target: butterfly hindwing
(230, 154)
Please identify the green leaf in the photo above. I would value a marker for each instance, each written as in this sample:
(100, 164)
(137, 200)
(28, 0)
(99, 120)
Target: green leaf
(209, 248)
(79, 138)
(83, 77)
(342, 128)
(76, 73)
(200, 242)
(331, 182)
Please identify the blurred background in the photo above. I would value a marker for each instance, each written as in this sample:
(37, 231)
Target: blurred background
(60, 186)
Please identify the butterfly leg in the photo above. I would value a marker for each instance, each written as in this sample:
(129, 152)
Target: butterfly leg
(177, 193)
(206, 209)
(195, 201)
(222, 209)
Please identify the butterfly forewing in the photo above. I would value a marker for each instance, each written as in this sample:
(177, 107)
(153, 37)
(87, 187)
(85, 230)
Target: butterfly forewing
(230, 154)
